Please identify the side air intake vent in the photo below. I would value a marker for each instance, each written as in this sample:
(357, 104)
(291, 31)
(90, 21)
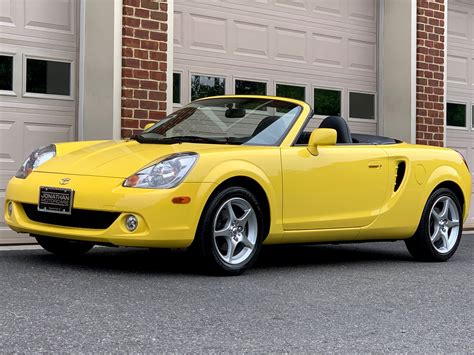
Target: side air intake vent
(399, 175)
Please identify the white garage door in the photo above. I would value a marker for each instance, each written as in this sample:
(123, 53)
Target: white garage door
(321, 51)
(460, 96)
(38, 42)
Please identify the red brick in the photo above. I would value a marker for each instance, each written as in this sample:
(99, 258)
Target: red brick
(140, 94)
(158, 36)
(152, 45)
(130, 123)
(131, 2)
(130, 21)
(127, 93)
(141, 74)
(148, 105)
(160, 76)
(126, 133)
(130, 63)
(150, 4)
(130, 83)
(131, 42)
(140, 53)
(142, 34)
(160, 56)
(127, 31)
(148, 84)
(152, 25)
(140, 113)
(142, 13)
(127, 112)
(159, 16)
(158, 96)
(149, 64)
(127, 11)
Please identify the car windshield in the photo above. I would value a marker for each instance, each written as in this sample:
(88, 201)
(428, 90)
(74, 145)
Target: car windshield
(230, 120)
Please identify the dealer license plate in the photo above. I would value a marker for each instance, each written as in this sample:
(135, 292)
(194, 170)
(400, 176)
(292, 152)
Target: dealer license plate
(55, 200)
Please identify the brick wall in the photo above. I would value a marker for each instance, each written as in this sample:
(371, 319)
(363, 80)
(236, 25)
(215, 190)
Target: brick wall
(144, 47)
(430, 72)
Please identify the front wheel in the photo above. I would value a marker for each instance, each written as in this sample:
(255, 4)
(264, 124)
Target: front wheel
(230, 232)
(439, 233)
(63, 247)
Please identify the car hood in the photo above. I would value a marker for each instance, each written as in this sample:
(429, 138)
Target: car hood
(117, 158)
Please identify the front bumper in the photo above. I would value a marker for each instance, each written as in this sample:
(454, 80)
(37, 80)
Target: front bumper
(161, 223)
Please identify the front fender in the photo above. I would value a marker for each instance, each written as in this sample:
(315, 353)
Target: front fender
(269, 178)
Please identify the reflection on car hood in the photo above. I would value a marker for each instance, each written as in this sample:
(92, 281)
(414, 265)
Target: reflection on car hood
(117, 158)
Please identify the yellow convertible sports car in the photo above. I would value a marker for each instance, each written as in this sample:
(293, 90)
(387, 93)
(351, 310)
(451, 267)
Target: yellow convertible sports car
(225, 174)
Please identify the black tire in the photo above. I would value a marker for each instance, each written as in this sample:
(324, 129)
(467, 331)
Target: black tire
(420, 245)
(63, 247)
(205, 244)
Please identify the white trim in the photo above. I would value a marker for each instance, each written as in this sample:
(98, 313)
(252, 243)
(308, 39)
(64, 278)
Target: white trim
(170, 60)
(117, 72)
(413, 70)
(80, 96)
(379, 70)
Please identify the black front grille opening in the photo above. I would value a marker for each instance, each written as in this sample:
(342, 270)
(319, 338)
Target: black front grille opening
(78, 218)
(399, 175)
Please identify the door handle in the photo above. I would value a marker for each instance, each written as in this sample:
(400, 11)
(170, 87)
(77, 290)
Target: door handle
(375, 165)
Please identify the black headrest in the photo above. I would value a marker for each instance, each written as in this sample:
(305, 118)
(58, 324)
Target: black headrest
(341, 127)
(267, 121)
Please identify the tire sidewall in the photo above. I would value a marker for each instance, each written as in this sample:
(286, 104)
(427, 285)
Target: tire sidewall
(424, 230)
(205, 231)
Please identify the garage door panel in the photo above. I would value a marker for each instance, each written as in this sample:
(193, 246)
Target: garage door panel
(50, 15)
(290, 45)
(460, 79)
(323, 44)
(43, 30)
(7, 13)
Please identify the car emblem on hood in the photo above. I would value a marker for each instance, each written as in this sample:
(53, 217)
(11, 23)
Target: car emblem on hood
(64, 181)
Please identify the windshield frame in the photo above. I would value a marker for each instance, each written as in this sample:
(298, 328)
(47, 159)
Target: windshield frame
(303, 109)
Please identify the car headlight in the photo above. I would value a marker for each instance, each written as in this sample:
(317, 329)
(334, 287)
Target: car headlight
(166, 174)
(35, 159)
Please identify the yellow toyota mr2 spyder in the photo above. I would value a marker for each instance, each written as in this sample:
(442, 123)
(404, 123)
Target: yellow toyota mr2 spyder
(225, 174)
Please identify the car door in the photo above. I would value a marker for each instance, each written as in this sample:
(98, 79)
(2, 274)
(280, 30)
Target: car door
(342, 187)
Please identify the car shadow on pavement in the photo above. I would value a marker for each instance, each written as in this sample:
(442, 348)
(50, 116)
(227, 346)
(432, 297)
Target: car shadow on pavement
(134, 260)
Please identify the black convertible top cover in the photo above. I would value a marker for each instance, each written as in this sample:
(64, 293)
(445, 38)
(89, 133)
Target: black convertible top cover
(370, 139)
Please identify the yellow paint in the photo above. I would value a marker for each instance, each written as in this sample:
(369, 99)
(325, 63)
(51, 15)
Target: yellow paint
(345, 192)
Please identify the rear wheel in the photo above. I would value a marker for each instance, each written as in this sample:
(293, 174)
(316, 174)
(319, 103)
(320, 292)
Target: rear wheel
(439, 233)
(230, 232)
(63, 247)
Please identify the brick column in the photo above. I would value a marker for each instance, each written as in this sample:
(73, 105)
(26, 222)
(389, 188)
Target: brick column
(144, 63)
(430, 72)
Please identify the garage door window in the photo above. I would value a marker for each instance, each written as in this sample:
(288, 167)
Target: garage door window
(176, 88)
(6, 72)
(291, 91)
(456, 115)
(362, 106)
(327, 102)
(246, 87)
(48, 77)
(204, 86)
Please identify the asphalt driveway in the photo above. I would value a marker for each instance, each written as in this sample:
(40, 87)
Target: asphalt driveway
(350, 298)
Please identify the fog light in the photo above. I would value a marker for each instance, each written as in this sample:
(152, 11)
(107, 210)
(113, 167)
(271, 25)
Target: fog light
(131, 222)
(10, 208)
